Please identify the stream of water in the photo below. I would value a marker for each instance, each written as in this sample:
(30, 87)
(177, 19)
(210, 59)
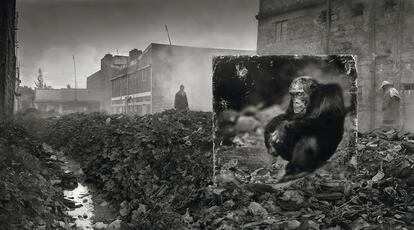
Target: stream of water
(84, 209)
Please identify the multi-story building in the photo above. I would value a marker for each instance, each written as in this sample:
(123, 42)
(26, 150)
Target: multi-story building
(64, 101)
(379, 32)
(8, 27)
(150, 81)
(101, 80)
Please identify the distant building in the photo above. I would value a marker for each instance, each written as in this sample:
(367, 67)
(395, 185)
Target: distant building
(379, 32)
(8, 80)
(101, 80)
(149, 83)
(64, 101)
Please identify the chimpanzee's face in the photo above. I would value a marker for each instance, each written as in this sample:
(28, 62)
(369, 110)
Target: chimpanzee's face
(300, 101)
(300, 91)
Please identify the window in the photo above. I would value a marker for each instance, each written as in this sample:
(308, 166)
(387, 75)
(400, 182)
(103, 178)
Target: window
(390, 5)
(144, 75)
(408, 86)
(280, 31)
(149, 108)
(358, 9)
(322, 16)
(359, 96)
(140, 110)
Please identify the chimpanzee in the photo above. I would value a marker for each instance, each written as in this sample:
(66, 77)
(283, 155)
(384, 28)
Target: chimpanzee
(309, 132)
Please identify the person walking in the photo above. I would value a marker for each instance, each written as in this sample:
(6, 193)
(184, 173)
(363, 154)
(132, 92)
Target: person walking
(181, 102)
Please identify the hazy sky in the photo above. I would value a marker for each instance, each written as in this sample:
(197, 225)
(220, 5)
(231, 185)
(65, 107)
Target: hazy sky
(51, 31)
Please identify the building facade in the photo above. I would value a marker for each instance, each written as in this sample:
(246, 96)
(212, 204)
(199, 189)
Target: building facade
(25, 100)
(65, 101)
(379, 32)
(101, 80)
(150, 81)
(8, 27)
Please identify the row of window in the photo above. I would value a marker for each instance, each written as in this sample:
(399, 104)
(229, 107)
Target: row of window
(408, 86)
(136, 82)
(356, 9)
(133, 109)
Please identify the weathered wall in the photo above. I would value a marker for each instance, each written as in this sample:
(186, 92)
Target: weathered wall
(131, 89)
(101, 80)
(379, 32)
(190, 66)
(7, 56)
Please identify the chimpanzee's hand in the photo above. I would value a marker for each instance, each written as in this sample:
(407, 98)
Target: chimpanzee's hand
(272, 140)
(275, 137)
(279, 135)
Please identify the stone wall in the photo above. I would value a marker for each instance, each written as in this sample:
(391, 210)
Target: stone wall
(101, 80)
(7, 56)
(379, 32)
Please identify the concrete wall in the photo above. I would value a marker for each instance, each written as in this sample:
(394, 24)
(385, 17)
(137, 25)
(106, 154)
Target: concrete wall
(101, 80)
(7, 56)
(131, 89)
(379, 32)
(63, 101)
(190, 66)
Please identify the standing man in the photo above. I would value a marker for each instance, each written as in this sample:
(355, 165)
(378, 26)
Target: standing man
(181, 102)
(390, 105)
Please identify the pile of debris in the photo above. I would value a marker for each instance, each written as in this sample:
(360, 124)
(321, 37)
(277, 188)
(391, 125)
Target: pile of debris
(27, 175)
(156, 167)
(372, 191)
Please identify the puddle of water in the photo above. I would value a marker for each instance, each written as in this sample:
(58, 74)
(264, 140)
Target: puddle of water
(83, 214)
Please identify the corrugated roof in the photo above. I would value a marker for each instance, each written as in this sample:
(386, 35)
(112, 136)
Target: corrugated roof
(62, 95)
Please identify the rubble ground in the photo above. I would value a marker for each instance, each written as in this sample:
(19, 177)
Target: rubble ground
(154, 168)
(31, 183)
(157, 171)
(372, 190)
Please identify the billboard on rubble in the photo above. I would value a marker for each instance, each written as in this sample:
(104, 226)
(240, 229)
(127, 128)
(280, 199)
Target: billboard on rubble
(267, 129)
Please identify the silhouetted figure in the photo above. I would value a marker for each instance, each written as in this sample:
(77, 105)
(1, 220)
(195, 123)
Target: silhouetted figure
(390, 105)
(181, 102)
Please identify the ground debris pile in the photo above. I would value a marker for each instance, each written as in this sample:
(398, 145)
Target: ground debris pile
(28, 198)
(158, 170)
(371, 191)
(156, 167)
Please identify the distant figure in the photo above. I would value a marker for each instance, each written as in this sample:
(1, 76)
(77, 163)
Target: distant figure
(181, 102)
(390, 105)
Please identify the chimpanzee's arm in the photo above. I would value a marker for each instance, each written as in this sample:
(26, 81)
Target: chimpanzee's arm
(272, 126)
(326, 107)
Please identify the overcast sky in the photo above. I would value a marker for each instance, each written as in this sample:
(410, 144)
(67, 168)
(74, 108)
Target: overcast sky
(50, 31)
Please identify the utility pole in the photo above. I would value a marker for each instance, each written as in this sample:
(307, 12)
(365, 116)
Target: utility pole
(76, 98)
(168, 34)
(127, 98)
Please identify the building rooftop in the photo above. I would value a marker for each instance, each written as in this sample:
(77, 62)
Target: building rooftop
(65, 95)
(134, 65)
